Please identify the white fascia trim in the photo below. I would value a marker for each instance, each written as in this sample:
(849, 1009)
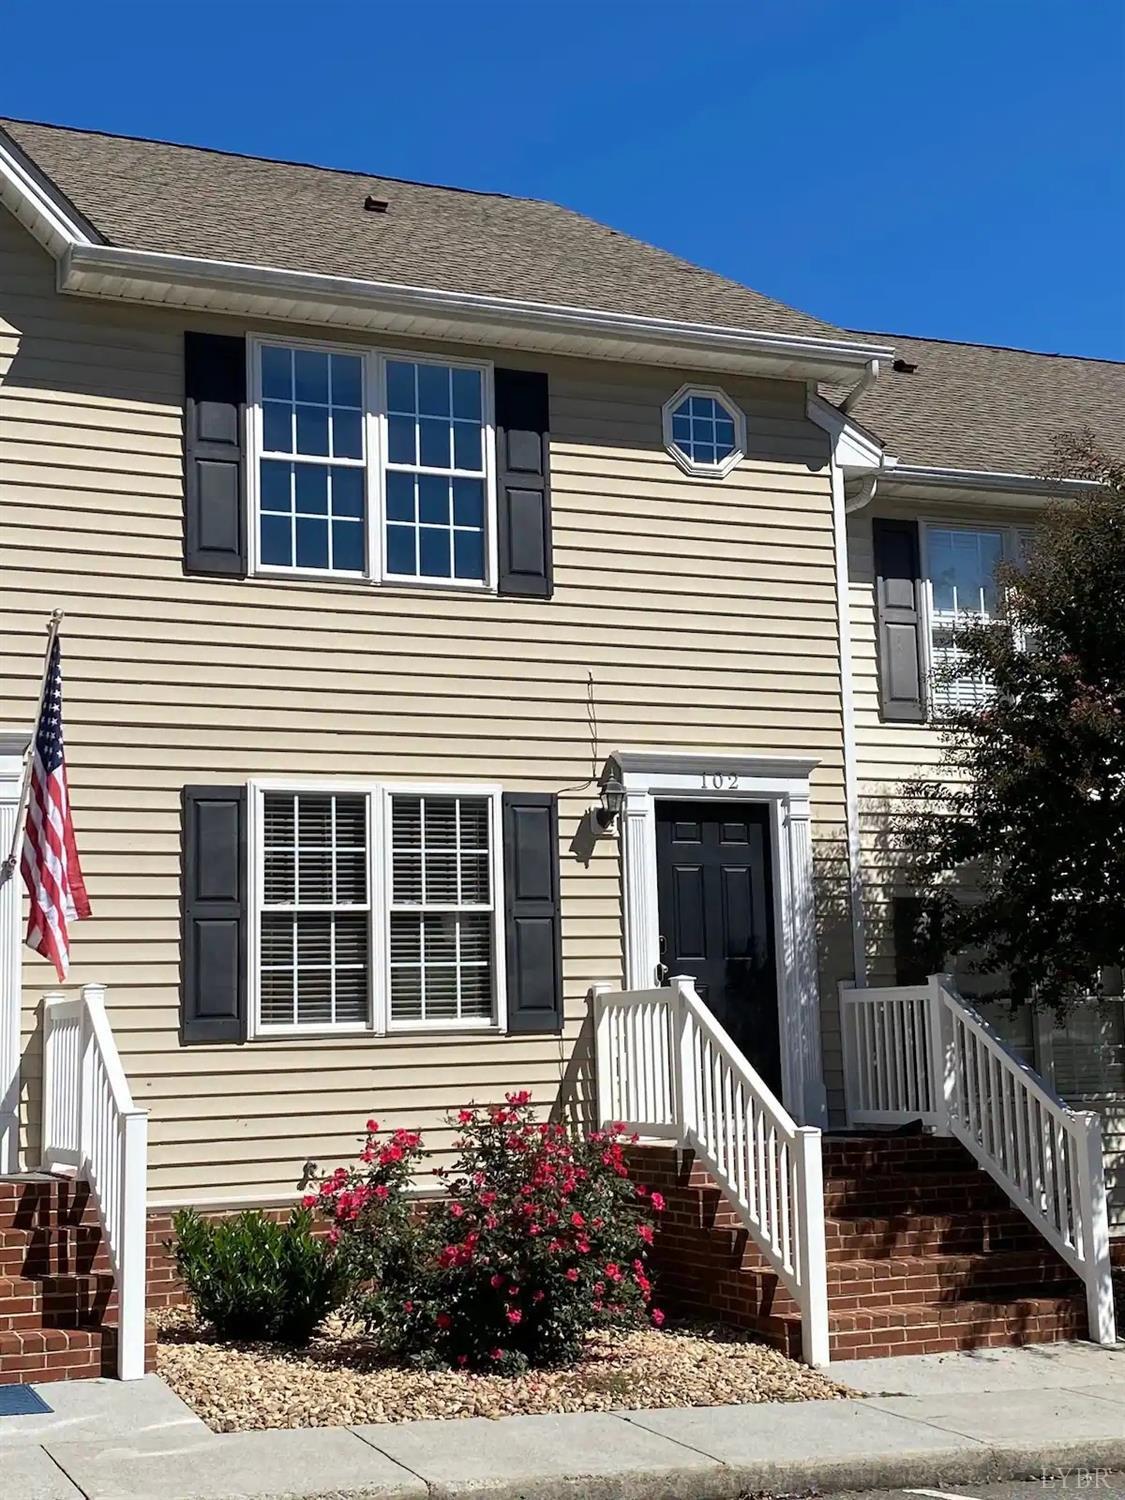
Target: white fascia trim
(36, 203)
(118, 271)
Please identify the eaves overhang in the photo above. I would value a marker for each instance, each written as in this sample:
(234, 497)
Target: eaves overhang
(271, 293)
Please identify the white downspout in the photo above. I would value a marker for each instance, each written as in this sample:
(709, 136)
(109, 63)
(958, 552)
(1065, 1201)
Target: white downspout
(863, 384)
(847, 710)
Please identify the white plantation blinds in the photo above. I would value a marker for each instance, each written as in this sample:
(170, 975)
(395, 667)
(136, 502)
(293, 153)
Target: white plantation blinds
(962, 567)
(315, 921)
(441, 905)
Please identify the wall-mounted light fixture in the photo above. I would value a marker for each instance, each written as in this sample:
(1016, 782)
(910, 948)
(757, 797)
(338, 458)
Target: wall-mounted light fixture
(613, 801)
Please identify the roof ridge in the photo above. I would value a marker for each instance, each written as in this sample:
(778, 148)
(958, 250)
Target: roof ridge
(278, 161)
(924, 338)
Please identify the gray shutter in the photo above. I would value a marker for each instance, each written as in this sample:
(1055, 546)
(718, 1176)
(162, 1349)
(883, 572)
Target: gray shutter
(214, 458)
(531, 911)
(523, 486)
(214, 914)
(901, 620)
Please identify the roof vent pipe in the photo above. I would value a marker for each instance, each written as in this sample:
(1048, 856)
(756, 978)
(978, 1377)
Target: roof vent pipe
(864, 383)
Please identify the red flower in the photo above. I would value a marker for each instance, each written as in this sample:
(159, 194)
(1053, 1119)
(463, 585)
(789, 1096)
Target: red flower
(571, 1274)
(645, 1232)
(408, 1307)
(496, 1281)
(462, 1359)
(523, 1097)
(657, 1317)
(657, 1201)
(577, 1220)
(538, 1296)
(513, 1315)
(372, 1126)
(310, 1200)
(497, 1354)
(513, 1291)
(456, 1210)
(465, 1117)
(443, 1320)
(381, 1191)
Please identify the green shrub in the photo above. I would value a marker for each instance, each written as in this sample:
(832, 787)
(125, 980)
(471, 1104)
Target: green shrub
(254, 1279)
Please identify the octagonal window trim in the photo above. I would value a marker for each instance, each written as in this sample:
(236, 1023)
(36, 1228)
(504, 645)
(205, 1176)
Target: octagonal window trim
(729, 408)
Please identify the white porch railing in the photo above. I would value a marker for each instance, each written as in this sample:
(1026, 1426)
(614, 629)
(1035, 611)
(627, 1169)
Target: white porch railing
(920, 1052)
(666, 1068)
(92, 1129)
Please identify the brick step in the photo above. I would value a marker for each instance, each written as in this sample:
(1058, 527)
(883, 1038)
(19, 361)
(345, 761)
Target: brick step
(59, 1252)
(30, 1355)
(861, 1155)
(864, 1238)
(913, 1198)
(56, 1302)
(943, 1273)
(967, 1324)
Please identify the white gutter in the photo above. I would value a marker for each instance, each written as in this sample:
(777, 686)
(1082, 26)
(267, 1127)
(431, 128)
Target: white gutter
(986, 479)
(117, 270)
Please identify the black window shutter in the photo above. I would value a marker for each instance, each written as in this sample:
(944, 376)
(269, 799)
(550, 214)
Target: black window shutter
(523, 485)
(901, 620)
(531, 911)
(213, 1006)
(214, 456)
(919, 944)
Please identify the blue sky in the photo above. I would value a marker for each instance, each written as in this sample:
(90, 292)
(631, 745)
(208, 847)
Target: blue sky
(950, 168)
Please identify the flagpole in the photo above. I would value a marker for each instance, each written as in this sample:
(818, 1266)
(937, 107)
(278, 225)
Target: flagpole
(9, 866)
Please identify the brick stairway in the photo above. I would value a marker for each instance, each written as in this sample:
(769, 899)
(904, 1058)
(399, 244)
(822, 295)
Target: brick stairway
(58, 1304)
(925, 1255)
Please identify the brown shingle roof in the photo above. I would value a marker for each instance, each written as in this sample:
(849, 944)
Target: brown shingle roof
(189, 201)
(974, 406)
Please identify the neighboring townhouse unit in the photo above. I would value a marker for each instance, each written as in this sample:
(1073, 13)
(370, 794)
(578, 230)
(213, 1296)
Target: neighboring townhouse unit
(467, 608)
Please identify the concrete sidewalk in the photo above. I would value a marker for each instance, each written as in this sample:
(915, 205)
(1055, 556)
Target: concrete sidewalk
(937, 1419)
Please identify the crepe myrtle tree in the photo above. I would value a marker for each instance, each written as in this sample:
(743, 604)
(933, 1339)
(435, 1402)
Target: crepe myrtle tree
(1019, 848)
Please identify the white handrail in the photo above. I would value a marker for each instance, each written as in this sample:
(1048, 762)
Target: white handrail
(920, 1052)
(92, 1128)
(666, 1068)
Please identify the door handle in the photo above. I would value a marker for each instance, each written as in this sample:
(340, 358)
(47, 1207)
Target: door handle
(663, 974)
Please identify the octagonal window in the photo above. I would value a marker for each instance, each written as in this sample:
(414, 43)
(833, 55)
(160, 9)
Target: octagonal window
(704, 431)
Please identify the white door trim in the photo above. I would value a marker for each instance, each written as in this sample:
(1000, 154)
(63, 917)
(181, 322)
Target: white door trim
(782, 784)
(12, 749)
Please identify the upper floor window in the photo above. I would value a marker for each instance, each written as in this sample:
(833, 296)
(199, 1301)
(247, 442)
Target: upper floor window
(961, 564)
(371, 465)
(704, 430)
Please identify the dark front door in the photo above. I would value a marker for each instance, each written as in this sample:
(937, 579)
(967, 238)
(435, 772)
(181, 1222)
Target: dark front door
(714, 883)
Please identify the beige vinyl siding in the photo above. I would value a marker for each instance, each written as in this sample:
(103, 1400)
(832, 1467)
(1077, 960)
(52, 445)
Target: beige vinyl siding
(704, 610)
(889, 754)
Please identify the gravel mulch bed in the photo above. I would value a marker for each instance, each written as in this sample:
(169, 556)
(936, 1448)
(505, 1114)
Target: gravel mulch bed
(340, 1381)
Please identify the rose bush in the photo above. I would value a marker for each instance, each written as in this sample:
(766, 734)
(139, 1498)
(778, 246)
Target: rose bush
(542, 1237)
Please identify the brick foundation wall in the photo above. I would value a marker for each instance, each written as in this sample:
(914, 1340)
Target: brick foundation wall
(704, 1265)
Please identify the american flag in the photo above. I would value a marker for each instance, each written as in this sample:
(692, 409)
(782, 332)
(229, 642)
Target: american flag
(49, 865)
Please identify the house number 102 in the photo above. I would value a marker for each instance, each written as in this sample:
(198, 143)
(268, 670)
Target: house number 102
(718, 781)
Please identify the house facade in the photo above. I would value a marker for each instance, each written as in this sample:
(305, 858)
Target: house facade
(464, 606)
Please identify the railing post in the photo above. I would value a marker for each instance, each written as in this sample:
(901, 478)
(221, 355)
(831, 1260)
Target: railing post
(50, 1063)
(91, 993)
(603, 1063)
(685, 1061)
(848, 1020)
(1094, 1219)
(943, 1076)
(811, 1247)
(131, 1291)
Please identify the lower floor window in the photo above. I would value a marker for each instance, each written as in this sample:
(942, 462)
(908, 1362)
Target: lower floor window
(376, 908)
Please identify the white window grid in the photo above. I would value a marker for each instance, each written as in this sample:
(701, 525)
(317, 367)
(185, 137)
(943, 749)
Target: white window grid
(728, 409)
(461, 967)
(374, 464)
(379, 875)
(942, 650)
(450, 472)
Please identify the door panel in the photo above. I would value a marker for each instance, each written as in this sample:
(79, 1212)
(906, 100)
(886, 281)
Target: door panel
(716, 918)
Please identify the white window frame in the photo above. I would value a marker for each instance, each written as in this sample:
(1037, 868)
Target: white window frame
(1013, 540)
(378, 794)
(732, 409)
(374, 463)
